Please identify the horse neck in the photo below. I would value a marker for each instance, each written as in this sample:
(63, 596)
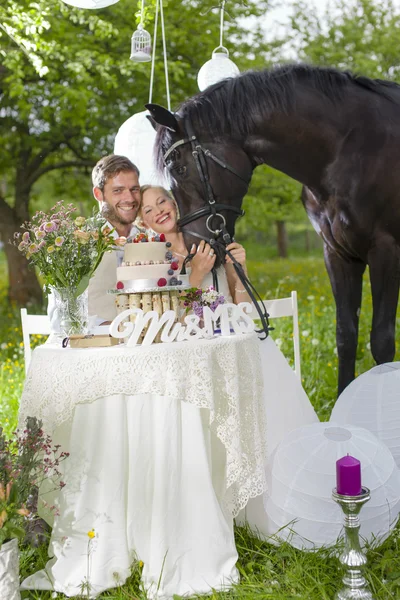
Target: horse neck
(300, 143)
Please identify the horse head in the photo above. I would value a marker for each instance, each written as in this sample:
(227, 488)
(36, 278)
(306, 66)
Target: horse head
(208, 176)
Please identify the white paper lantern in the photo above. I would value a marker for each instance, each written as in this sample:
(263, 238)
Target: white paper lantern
(219, 67)
(135, 139)
(90, 3)
(372, 401)
(299, 506)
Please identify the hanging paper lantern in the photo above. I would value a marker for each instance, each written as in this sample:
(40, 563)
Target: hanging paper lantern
(302, 473)
(135, 139)
(219, 67)
(372, 401)
(140, 45)
(90, 3)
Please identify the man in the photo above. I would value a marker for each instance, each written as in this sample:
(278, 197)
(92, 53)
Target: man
(116, 188)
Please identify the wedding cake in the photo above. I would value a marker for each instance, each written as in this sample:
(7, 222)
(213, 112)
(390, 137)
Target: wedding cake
(149, 278)
(148, 266)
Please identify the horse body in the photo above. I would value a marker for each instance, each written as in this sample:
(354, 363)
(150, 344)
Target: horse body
(339, 136)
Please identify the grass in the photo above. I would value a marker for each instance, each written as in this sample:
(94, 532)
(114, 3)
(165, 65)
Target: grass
(267, 571)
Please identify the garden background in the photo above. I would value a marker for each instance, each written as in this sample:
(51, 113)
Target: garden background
(67, 84)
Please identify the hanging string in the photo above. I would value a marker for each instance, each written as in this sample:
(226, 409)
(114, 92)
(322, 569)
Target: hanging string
(221, 24)
(165, 56)
(141, 15)
(153, 57)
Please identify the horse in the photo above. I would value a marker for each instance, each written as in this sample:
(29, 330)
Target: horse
(335, 132)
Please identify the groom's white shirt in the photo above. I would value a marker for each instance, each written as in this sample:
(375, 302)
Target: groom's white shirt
(101, 305)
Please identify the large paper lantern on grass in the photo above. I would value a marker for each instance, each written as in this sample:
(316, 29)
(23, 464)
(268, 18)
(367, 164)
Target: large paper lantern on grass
(372, 401)
(135, 139)
(299, 503)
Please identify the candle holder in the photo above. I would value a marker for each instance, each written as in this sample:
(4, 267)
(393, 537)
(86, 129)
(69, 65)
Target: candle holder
(353, 558)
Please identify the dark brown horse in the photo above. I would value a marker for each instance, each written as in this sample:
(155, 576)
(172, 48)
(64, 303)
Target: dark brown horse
(336, 133)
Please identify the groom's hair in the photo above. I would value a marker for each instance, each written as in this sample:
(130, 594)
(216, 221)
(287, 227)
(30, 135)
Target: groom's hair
(109, 166)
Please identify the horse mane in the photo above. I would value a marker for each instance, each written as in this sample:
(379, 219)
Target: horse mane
(232, 106)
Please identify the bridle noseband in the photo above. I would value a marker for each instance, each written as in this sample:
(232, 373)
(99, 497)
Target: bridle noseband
(211, 210)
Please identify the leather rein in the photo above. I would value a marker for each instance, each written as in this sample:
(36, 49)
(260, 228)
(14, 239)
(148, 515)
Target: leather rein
(211, 210)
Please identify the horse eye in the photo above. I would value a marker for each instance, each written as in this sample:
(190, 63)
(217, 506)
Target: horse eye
(181, 170)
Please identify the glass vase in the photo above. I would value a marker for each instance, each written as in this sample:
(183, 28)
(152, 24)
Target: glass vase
(72, 310)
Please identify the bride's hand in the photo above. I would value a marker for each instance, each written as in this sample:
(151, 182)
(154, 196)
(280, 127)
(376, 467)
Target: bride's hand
(238, 253)
(201, 263)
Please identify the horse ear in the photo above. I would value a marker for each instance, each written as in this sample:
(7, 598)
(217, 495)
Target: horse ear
(152, 121)
(162, 116)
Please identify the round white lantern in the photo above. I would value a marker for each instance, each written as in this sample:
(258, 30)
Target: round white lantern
(135, 139)
(372, 401)
(219, 67)
(299, 506)
(90, 3)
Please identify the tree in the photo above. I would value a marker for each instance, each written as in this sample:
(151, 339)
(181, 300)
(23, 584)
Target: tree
(273, 197)
(66, 85)
(360, 35)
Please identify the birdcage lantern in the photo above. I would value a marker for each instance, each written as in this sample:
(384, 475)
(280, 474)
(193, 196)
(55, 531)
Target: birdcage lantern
(141, 45)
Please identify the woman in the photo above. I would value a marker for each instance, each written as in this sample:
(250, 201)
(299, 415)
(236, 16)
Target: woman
(159, 213)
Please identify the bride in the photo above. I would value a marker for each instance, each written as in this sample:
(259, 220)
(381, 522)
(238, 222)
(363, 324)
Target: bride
(286, 404)
(158, 212)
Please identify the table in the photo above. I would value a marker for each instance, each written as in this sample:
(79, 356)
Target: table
(167, 444)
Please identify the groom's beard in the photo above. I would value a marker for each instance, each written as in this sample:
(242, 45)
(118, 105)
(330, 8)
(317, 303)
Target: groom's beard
(115, 217)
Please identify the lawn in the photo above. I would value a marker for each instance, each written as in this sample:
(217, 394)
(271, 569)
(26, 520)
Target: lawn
(267, 571)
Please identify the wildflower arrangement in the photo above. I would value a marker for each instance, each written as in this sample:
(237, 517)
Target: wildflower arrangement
(196, 299)
(25, 461)
(66, 250)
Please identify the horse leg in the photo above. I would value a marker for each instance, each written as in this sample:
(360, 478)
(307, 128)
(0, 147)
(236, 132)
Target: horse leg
(384, 274)
(346, 281)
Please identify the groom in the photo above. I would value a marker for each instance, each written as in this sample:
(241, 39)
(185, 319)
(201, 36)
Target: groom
(116, 188)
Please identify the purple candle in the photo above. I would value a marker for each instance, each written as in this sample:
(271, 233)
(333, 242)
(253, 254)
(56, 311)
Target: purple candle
(348, 476)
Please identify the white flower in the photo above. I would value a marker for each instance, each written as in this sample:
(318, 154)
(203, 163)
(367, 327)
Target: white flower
(310, 297)
(315, 342)
(305, 333)
(3, 346)
(335, 351)
(278, 342)
(368, 346)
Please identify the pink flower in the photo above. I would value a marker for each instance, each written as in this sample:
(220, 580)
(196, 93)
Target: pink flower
(50, 226)
(25, 237)
(33, 248)
(39, 234)
(59, 240)
(22, 246)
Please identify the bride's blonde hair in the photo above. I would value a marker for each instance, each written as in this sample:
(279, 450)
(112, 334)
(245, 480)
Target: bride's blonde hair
(139, 219)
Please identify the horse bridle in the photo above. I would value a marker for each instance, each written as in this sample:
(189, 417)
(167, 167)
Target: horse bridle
(211, 210)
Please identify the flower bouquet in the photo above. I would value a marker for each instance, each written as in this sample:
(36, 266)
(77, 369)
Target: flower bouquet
(66, 251)
(25, 461)
(196, 299)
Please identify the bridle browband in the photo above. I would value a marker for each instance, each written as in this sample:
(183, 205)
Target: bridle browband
(211, 210)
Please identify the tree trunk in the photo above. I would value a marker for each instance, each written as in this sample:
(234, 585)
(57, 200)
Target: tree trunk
(281, 238)
(23, 286)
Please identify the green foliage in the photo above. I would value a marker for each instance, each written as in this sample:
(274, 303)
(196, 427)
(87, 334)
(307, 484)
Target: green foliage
(272, 196)
(360, 35)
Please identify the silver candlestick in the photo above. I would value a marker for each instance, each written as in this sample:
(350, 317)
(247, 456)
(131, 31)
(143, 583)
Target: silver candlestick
(353, 558)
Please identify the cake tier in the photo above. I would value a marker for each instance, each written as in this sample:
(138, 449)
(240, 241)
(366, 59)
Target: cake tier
(151, 285)
(144, 272)
(145, 252)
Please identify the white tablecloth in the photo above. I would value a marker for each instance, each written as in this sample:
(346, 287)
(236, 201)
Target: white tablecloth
(167, 444)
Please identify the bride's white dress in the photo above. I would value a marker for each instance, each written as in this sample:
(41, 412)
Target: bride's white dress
(286, 404)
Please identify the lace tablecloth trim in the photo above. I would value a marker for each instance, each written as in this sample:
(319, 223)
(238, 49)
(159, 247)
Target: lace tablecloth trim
(223, 375)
